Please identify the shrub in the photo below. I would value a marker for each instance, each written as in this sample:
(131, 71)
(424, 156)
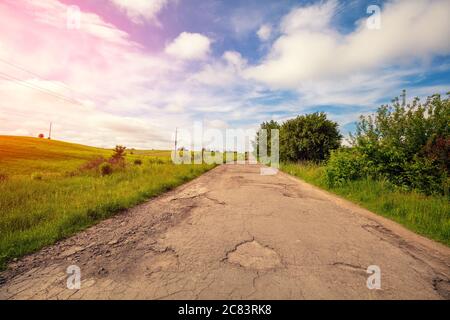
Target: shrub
(425, 175)
(37, 176)
(345, 165)
(118, 158)
(3, 177)
(41, 136)
(155, 161)
(409, 144)
(93, 164)
(138, 162)
(106, 169)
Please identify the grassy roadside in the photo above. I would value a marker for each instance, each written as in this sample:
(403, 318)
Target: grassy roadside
(426, 215)
(38, 212)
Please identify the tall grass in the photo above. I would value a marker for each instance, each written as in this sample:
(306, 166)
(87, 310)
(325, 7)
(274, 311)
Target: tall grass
(37, 212)
(426, 215)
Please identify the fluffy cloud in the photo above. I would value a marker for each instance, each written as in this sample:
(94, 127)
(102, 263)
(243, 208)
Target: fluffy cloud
(140, 10)
(224, 73)
(309, 49)
(313, 18)
(264, 32)
(189, 46)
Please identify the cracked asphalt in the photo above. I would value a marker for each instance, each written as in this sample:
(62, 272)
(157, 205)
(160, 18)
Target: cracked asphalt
(235, 234)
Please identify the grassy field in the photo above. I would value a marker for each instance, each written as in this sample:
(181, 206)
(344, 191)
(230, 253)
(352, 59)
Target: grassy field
(426, 215)
(44, 196)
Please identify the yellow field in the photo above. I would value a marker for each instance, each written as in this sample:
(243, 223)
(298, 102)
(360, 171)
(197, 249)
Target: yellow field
(26, 155)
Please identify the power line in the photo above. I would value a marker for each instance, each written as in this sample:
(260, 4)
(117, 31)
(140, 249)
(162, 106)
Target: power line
(38, 88)
(19, 67)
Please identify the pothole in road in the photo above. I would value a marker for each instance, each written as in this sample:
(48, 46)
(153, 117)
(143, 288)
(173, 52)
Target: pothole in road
(253, 255)
(442, 287)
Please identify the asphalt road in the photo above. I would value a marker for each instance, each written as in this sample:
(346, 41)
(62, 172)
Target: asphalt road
(235, 234)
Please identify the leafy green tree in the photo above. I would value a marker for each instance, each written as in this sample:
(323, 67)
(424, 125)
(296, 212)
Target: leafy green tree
(308, 137)
(268, 125)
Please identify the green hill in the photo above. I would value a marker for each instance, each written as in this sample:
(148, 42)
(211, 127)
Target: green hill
(26, 155)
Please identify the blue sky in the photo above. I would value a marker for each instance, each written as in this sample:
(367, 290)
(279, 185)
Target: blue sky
(138, 69)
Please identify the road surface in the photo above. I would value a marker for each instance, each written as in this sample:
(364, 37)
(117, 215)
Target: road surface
(235, 234)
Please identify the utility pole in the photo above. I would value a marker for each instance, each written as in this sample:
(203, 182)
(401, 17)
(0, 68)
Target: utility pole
(176, 136)
(403, 98)
(50, 131)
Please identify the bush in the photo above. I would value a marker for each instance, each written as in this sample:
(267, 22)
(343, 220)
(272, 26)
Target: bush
(3, 177)
(37, 176)
(118, 158)
(308, 137)
(155, 161)
(425, 175)
(106, 169)
(409, 144)
(93, 164)
(138, 162)
(345, 165)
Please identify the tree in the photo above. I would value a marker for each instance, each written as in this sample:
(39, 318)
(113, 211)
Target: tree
(41, 136)
(308, 137)
(269, 125)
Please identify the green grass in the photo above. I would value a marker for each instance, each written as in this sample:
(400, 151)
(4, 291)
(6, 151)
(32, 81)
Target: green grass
(38, 212)
(426, 215)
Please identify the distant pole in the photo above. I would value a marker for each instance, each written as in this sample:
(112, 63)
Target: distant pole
(176, 136)
(50, 131)
(404, 97)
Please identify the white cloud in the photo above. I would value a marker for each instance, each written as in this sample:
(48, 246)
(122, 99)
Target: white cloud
(216, 124)
(189, 46)
(309, 49)
(246, 20)
(264, 32)
(224, 73)
(140, 10)
(235, 59)
(311, 18)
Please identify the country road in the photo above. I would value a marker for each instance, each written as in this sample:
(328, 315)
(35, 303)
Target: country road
(235, 234)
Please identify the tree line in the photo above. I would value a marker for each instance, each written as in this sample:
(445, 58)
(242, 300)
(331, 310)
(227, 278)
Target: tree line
(408, 144)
